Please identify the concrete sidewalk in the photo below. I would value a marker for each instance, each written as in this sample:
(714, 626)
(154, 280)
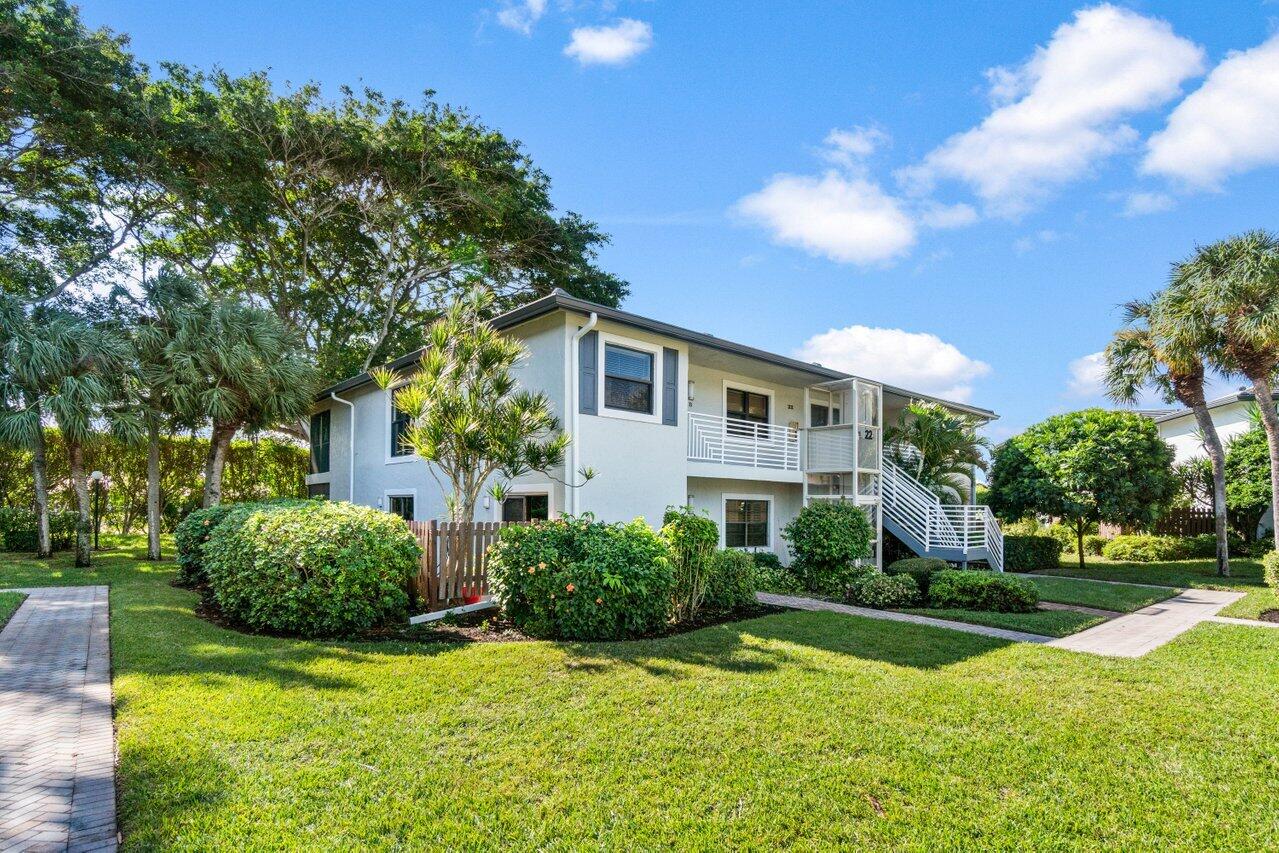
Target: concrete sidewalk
(1133, 635)
(57, 744)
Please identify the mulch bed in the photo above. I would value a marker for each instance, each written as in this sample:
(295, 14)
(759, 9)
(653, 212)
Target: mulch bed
(1269, 616)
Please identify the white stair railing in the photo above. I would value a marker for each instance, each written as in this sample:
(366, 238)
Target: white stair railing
(914, 507)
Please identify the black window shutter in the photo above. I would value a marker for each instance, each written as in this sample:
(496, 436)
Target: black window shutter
(588, 373)
(670, 386)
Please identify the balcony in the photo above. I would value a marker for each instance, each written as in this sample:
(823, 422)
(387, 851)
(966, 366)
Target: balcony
(729, 447)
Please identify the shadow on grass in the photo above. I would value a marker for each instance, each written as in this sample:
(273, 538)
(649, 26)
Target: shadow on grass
(769, 642)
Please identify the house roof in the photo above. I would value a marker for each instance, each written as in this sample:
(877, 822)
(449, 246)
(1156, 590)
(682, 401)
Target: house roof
(1161, 415)
(558, 300)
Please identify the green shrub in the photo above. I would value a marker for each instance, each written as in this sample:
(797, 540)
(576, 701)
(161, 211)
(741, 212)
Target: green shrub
(881, 591)
(731, 582)
(692, 538)
(18, 529)
(827, 538)
(578, 579)
(189, 539)
(919, 568)
(310, 568)
(772, 576)
(1146, 549)
(1028, 526)
(1270, 569)
(969, 590)
(1094, 545)
(1031, 553)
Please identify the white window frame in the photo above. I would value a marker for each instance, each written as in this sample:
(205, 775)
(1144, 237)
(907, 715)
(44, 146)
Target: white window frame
(399, 493)
(655, 350)
(770, 393)
(552, 511)
(389, 415)
(724, 498)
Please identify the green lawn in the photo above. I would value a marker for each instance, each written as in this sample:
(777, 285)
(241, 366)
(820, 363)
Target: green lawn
(1107, 596)
(1246, 578)
(1048, 623)
(9, 603)
(799, 729)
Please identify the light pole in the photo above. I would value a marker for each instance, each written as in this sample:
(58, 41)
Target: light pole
(99, 482)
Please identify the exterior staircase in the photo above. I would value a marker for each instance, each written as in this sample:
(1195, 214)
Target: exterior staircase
(956, 533)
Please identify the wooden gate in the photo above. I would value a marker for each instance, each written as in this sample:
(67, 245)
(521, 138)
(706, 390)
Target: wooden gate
(454, 559)
(1186, 521)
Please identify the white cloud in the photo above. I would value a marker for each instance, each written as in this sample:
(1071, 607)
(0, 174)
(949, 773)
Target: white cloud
(943, 216)
(522, 16)
(916, 361)
(1229, 125)
(1088, 376)
(1144, 203)
(849, 148)
(846, 218)
(614, 45)
(1061, 112)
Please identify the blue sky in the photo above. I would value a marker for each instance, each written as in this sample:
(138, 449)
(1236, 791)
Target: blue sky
(953, 197)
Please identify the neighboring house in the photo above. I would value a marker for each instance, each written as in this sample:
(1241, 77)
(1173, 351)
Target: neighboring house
(1231, 415)
(665, 416)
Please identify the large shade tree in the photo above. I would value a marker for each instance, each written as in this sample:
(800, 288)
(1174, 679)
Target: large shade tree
(1155, 351)
(1232, 287)
(1085, 468)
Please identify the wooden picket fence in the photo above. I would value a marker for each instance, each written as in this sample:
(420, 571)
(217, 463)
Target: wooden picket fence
(454, 559)
(1185, 521)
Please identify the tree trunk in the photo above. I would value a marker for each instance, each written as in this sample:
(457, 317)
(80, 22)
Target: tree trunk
(1079, 541)
(1217, 454)
(39, 471)
(80, 482)
(153, 492)
(219, 447)
(1270, 420)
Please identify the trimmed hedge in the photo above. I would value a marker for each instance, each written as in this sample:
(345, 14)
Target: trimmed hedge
(1147, 549)
(189, 539)
(1270, 569)
(972, 590)
(882, 591)
(1031, 553)
(310, 568)
(18, 529)
(920, 568)
(827, 538)
(578, 579)
(730, 582)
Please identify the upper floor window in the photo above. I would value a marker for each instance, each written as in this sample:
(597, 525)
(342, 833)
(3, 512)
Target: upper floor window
(628, 379)
(320, 442)
(747, 405)
(400, 422)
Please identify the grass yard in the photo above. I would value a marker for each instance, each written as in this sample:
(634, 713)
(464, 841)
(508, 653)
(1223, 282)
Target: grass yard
(1048, 623)
(806, 729)
(1246, 578)
(9, 604)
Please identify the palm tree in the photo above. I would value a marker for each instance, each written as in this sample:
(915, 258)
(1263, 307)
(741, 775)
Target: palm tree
(948, 449)
(25, 364)
(240, 368)
(1154, 350)
(1229, 293)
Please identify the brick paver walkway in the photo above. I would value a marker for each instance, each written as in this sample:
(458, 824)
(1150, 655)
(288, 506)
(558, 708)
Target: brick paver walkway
(57, 746)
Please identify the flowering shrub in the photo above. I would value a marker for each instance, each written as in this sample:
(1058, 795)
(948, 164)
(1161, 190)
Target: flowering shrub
(881, 591)
(578, 579)
(190, 536)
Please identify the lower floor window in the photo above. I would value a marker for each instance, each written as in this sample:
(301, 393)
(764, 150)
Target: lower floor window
(402, 505)
(318, 490)
(745, 523)
(526, 508)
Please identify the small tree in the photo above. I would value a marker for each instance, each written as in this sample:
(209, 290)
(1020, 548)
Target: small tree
(1248, 480)
(692, 537)
(1085, 467)
(468, 418)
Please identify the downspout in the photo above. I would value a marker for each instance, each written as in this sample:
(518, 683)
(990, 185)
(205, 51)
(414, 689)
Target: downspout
(350, 453)
(570, 493)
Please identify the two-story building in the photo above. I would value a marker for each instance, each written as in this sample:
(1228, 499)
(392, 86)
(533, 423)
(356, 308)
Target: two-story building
(665, 416)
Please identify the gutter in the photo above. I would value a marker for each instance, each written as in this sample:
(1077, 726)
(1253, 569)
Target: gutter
(570, 496)
(350, 453)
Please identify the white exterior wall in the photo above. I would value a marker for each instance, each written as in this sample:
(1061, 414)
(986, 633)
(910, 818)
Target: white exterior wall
(785, 501)
(1180, 432)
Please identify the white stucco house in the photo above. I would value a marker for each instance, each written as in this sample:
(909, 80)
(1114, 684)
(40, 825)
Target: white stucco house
(1231, 414)
(666, 416)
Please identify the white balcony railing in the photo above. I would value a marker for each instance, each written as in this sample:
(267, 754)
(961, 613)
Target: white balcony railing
(731, 441)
